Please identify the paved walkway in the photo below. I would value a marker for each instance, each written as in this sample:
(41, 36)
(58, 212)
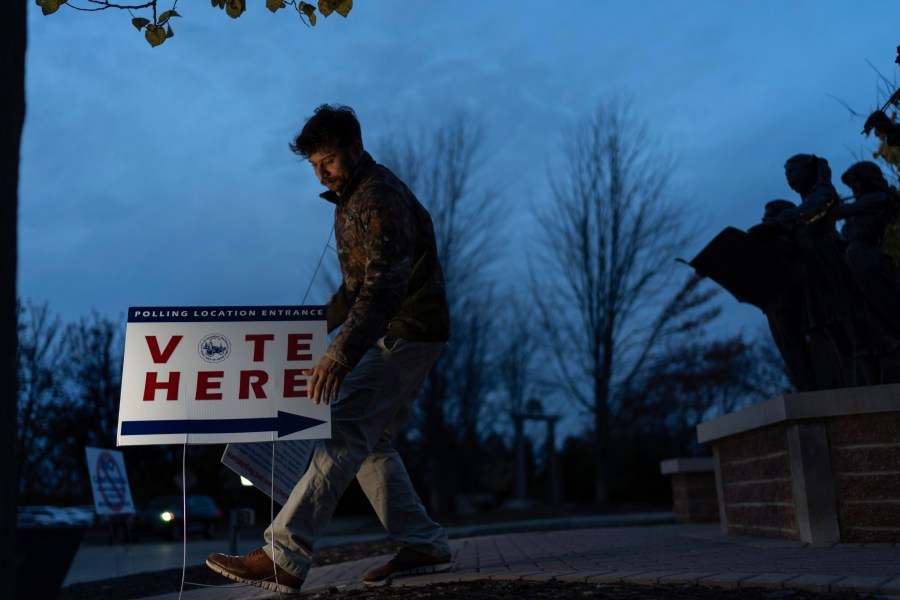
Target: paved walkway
(101, 561)
(644, 554)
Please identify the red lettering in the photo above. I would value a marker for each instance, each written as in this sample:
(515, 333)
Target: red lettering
(165, 355)
(259, 379)
(295, 346)
(207, 387)
(294, 383)
(151, 384)
(259, 341)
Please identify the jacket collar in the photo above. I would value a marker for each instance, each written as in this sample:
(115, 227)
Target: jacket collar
(365, 164)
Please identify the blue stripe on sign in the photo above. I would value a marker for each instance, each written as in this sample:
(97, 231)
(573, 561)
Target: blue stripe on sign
(285, 424)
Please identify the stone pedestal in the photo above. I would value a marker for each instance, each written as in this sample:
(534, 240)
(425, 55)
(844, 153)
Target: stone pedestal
(693, 489)
(817, 467)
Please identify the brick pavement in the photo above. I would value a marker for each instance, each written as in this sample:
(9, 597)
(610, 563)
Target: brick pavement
(677, 554)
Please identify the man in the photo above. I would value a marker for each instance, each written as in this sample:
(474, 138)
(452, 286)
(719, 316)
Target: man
(395, 324)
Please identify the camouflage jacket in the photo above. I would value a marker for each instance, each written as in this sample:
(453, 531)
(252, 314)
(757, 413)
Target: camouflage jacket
(392, 280)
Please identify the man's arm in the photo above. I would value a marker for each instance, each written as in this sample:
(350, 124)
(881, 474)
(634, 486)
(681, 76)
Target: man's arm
(326, 377)
(389, 238)
(337, 309)
(325, 380)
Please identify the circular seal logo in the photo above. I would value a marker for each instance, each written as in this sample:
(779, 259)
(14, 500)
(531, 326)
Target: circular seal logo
(214, 348)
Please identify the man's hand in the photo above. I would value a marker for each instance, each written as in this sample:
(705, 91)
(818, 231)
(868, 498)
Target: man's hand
(325, 380)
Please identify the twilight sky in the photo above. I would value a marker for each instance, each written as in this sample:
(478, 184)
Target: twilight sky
(162, 176)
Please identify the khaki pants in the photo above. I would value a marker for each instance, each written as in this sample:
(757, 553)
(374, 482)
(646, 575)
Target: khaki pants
(373, 404)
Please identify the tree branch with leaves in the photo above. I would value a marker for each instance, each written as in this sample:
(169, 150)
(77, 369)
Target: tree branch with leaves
(158, 28)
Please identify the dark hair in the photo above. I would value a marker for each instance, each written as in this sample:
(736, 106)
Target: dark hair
(331, 126)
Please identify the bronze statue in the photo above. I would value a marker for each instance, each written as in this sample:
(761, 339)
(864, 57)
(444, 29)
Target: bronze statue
(877, 278)
(830, 307)
(832, 301)
(783, 309)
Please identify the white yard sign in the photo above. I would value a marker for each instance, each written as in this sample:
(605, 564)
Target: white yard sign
(253, 462)
(209, 375)
(109, 482)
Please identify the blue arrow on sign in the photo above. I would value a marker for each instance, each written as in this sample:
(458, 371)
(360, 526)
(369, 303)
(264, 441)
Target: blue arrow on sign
(285, 424)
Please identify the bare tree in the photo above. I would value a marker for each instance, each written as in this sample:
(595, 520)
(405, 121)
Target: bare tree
(440, 165)
(41, 360)
(69, 386)
(602, 279)
(94, 348)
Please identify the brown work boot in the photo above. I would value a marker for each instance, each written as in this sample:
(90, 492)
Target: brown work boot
(257, 569)
(407, 562)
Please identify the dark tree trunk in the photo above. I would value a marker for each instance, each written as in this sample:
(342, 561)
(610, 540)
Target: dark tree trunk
(433, 432)
(12, 82)
(601, 449)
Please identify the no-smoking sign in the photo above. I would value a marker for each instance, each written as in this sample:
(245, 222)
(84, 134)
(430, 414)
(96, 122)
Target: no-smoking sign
(109, 482)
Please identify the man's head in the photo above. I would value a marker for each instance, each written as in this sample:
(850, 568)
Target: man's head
(332, 143)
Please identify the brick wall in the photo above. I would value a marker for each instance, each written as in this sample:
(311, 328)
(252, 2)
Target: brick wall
(757, 495)
(865, 459)
(819, 467)
(694, 497)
